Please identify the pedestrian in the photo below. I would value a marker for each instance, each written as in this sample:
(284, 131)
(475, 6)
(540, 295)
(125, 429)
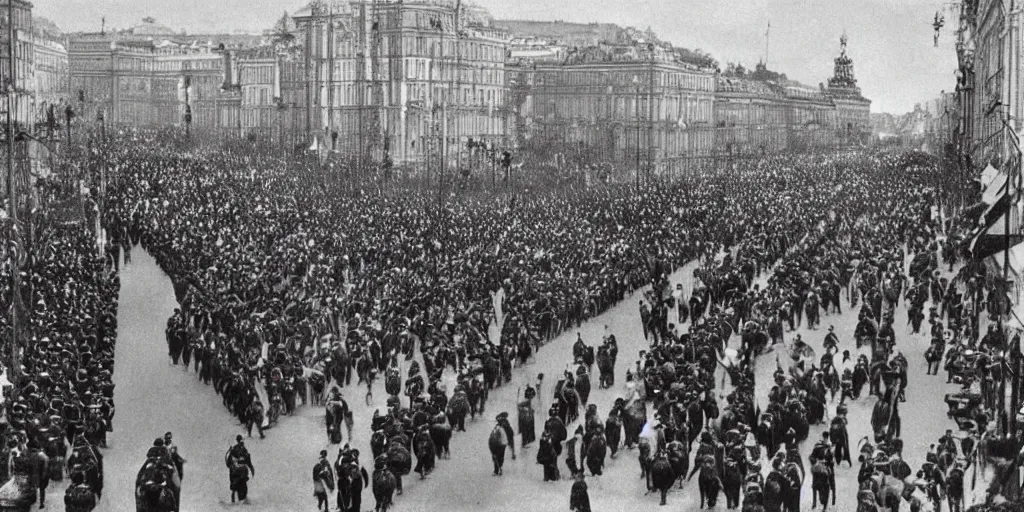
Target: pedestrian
(38, 477)
(579, 498)
(254, 416)
(576, 453)
(240, 468)
(501, 437)
(323, 481)
(79, 497)
(547, 457)
(352, 479)
(177, 459)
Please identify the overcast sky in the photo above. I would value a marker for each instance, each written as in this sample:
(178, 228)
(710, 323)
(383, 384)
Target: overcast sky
(890, 41)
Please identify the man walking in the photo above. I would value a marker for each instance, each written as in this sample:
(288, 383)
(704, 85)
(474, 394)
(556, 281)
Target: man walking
(240, 467)
(501, 437)
(323, 481)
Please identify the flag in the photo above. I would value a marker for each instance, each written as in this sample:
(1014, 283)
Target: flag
(261, 392)
(494, 330)
(769, 28)
(264, 354)
(992, 238)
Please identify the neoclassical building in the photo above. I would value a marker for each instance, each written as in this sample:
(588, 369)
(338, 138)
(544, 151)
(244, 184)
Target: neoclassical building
(631, 103)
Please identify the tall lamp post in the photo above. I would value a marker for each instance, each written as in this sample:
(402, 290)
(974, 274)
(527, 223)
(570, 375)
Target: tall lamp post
(636, 85)
(12, 194)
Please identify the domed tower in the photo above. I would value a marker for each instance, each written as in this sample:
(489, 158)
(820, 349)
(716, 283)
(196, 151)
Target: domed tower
(842, 77)
(853, 111)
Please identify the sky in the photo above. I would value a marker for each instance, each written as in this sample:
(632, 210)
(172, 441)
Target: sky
(890, 41)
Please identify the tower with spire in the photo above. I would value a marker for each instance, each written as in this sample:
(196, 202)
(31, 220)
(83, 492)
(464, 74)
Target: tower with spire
(853, 110)
(842, 77)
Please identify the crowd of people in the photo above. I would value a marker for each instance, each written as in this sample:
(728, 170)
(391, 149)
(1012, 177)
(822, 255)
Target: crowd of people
(291, 285)
(58, 403)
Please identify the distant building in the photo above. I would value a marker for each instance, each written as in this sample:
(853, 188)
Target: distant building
(51, 71)
(853, 110)
(561, 33)
(405, 81)
(620, 102)
(148, 76)
(24, 99)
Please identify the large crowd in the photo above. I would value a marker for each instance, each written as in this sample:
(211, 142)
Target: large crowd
(59, 400)
(290, 284)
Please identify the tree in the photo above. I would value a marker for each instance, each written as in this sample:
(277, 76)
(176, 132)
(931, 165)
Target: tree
(697, 57)
(282, 33)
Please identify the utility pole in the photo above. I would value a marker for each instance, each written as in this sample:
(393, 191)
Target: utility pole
(1012, 171)
(12, 193)
(330, 71)
(636, 109)
(650, 114)
(459, 107)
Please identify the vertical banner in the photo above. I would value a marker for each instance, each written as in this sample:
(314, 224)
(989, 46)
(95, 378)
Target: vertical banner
(261, 392)
(494, 330)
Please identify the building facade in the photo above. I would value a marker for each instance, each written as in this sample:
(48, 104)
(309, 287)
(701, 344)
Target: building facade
(621, 103)
(51, 71)
(149, 76)
(405, 81)
(580, 35)
(853, 110)
(24, 112)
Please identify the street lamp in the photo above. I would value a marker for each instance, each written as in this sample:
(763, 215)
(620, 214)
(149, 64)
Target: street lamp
(636, 84)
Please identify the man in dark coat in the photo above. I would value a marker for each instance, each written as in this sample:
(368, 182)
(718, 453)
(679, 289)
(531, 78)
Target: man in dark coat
(79, 497)
(576, 453)
(352, 479)
(38, 477)
(579, 498)
(547, 457)
(323, 481)
(239, 469)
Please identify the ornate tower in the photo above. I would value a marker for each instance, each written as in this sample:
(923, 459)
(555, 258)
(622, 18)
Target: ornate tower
(843, 75)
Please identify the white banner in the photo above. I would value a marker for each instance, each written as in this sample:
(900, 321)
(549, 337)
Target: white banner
(261, 392)
(494, 329)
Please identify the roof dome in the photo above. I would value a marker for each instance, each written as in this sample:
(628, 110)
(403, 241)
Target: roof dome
(150, 27)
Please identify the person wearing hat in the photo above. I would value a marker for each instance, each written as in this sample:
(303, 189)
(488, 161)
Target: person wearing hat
(323, 481)
(575, 453)
(79, 497)
(579, 498)
(831, 343)
(501, 437)
(240, 467)
(38, 477)
(352, 478)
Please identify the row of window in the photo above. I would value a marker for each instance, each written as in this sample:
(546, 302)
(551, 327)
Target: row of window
(639, 77)
(263, 73)
(673, 108)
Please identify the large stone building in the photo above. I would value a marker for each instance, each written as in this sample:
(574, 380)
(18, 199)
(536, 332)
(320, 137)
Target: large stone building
(624, 103)
(853, 110)
(51, 71)
(755, 116)
(406, 81)
(148, 76)
(24, 109)
(580, 35)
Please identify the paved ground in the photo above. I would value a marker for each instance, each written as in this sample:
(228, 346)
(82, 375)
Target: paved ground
(923, 414)
(154, 397)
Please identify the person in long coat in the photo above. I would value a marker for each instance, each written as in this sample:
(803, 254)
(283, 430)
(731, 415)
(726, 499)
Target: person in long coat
(579, 498)
(323, 481)
(548, 458)
(576, 453)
